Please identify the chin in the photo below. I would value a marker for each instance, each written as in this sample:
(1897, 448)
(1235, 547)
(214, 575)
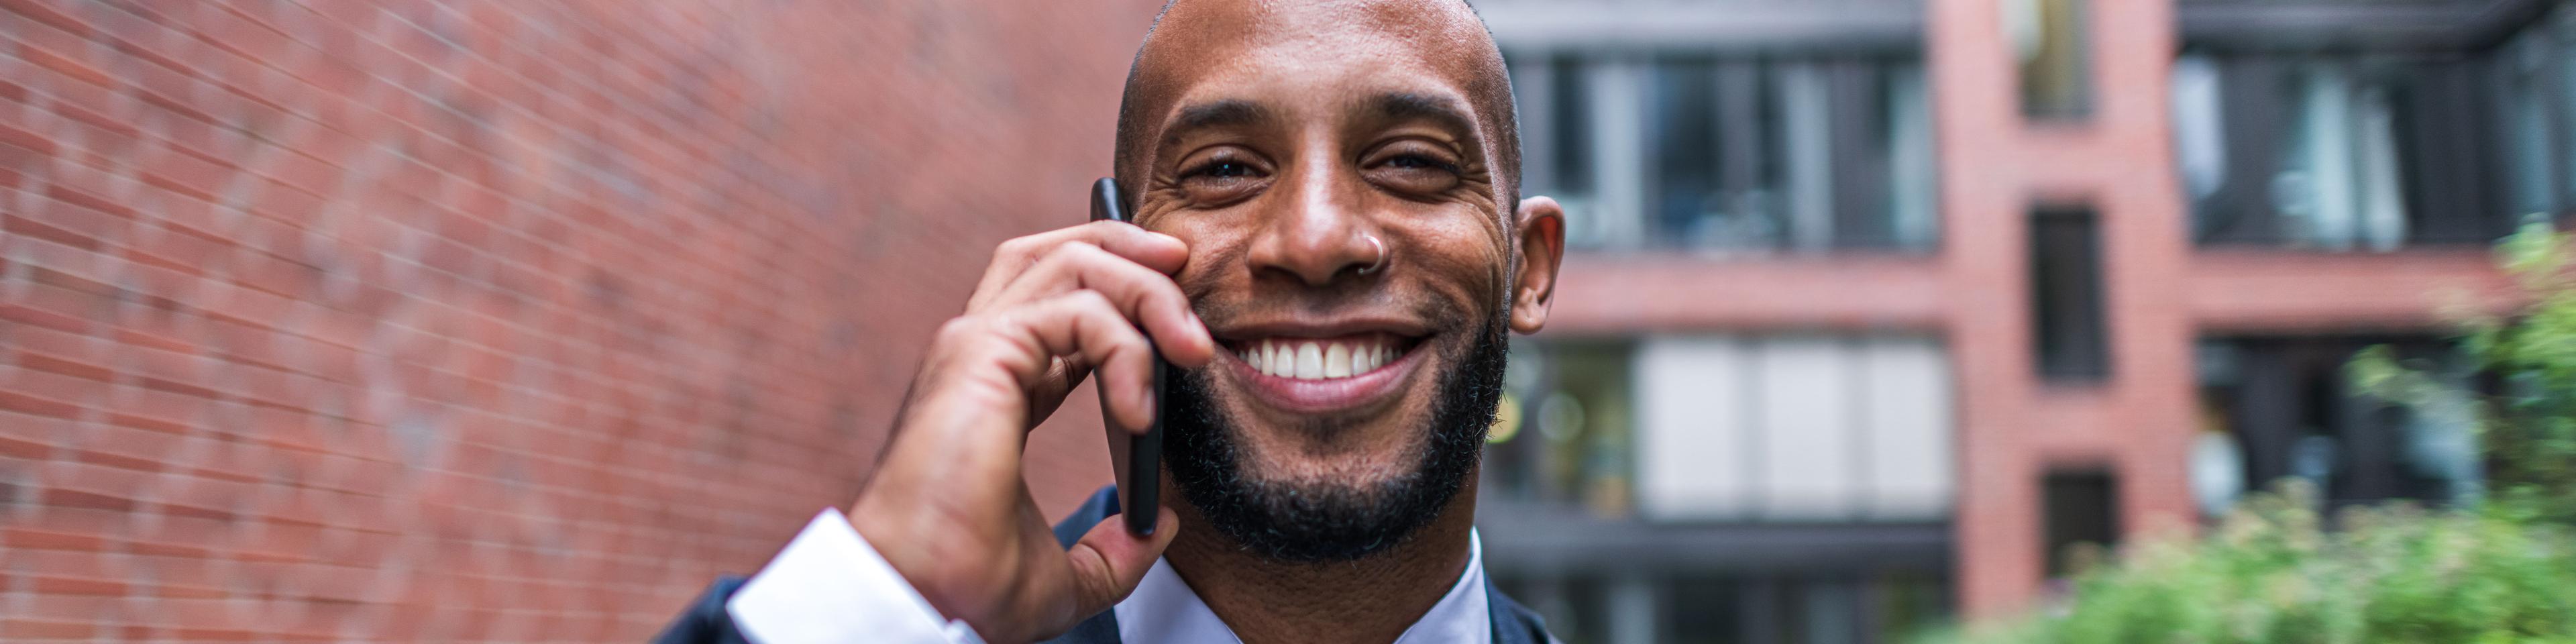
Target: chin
(1313, 470)
(1328, 453)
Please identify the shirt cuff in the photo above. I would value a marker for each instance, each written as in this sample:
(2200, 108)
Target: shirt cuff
(829, 586)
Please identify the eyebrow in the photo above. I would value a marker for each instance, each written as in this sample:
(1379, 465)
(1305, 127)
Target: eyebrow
(1409, 106)
(1222, 113)
(1444, 111)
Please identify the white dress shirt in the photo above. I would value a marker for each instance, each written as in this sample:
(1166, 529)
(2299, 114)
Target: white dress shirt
(829, 586)
(1164, 609)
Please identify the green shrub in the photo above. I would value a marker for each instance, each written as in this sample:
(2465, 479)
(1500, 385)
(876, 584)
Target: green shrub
(2527, 427)
(2269, 574)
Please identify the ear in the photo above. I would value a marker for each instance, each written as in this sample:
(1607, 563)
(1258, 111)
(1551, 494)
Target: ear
(1538, 232)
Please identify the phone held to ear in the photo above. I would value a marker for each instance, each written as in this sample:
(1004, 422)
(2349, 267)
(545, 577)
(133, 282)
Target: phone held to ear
(1137, 458)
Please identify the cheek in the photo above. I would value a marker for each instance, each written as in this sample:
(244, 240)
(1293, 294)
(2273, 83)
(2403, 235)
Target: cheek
(1464, 260)
(1214, 251)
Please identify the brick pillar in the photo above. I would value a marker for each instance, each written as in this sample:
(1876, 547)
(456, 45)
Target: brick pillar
(1995, 166)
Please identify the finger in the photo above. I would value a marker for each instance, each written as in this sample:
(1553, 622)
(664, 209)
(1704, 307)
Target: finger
(1059, 382)
(1163, 253)
(1148, 297)
(1109, 561)
(1085, 325)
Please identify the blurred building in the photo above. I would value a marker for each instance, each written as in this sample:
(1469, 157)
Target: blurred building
(1878, 310)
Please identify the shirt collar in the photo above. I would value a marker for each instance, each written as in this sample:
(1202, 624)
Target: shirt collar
(1164, 609)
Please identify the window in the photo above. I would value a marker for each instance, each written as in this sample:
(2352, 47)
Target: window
(1689, 203)
(2346, 152)
(2049, 35)
(2081, 509)
(1569, 131)
(2338, 186)
(1792, 428)
(2528, 126)
(1769, 155)
(1730, 428)
(1731, 153)
(2288, 406)
(1572, 444)
(2066, 292)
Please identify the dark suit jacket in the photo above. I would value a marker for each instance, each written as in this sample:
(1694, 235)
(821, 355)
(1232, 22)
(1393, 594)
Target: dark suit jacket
(707, 622)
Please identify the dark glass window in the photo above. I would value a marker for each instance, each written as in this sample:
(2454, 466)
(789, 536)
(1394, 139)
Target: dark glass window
(2066, 289)
(1708, 158)
(1571, 135)
(2081, 509)
(1797, 154)
(2354, 153)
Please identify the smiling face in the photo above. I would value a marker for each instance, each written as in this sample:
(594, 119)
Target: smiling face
(1343, 174)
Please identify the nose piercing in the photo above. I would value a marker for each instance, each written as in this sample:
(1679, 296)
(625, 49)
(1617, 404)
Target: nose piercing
(1381, 256)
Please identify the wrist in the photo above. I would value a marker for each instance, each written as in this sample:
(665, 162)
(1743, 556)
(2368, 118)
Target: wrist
(913, 547)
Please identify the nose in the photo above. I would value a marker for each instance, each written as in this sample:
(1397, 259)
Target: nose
(1318, 233)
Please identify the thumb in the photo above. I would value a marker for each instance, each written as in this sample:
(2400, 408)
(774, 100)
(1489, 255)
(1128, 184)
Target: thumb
(1109, 561)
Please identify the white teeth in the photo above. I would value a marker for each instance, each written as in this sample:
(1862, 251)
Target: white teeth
(1316, 360)
(1337, 360)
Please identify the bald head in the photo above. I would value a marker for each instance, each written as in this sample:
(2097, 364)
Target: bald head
(1192, 40)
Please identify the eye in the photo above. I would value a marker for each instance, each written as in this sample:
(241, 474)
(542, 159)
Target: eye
(1222, 170)
(1221, 177)
(1420, 162)
(1413, 168)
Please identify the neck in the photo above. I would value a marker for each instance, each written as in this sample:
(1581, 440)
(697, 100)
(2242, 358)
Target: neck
(1373, 599)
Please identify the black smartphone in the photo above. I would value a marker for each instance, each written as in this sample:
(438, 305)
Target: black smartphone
(1137, 458)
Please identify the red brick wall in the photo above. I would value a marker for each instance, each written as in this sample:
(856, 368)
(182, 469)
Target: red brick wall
(503, 321)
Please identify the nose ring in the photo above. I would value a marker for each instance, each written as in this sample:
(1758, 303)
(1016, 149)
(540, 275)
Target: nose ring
(1381, 256)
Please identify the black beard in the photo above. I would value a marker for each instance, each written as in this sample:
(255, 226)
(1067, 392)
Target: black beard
(1327, 521)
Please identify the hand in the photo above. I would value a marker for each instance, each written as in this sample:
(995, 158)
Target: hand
(948, 507)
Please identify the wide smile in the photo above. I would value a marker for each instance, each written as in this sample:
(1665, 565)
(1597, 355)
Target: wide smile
(1316, 374)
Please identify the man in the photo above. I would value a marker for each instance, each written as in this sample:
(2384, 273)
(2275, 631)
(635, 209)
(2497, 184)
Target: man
(1336, 251)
